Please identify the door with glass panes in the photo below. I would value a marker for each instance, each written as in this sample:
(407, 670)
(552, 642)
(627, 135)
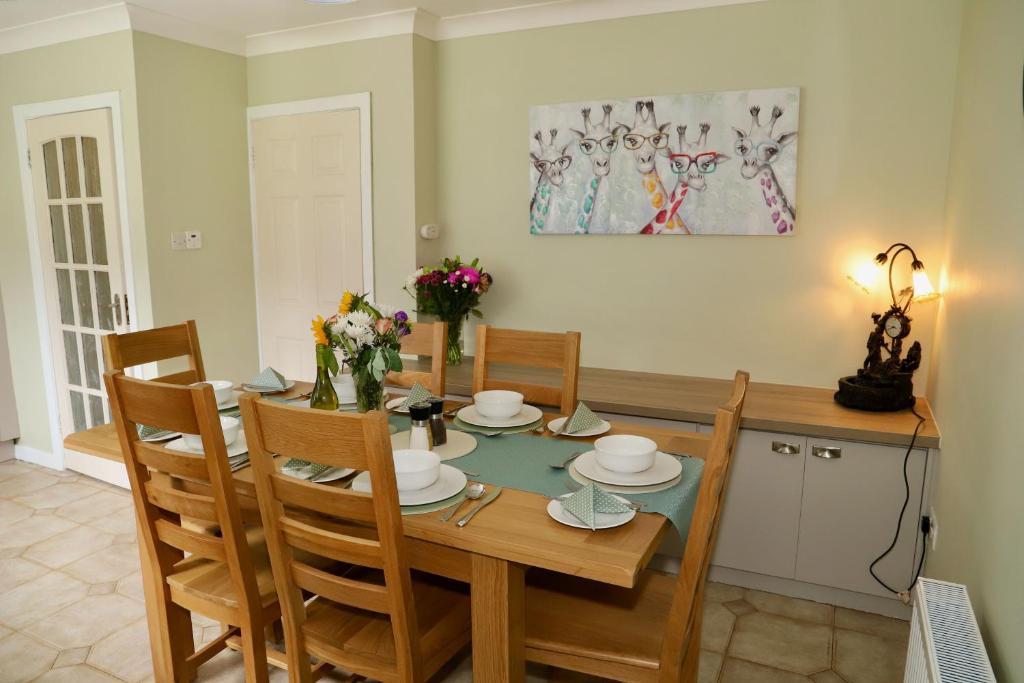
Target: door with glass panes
(75, 196)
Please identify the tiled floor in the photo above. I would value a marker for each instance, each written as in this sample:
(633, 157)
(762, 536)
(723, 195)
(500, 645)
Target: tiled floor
(71, 605)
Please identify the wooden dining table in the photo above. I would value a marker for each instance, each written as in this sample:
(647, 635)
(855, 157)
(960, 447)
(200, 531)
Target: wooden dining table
(494, 551)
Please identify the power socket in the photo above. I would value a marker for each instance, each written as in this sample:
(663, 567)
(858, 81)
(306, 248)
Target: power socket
(933, 533)
(193, 239)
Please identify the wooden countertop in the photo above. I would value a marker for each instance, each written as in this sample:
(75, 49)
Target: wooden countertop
(769, 407)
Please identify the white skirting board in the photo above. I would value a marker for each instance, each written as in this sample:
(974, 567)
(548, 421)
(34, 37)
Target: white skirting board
(98, 468)
(38, 457)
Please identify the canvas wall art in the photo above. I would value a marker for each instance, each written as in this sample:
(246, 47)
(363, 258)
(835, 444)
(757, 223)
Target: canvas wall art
(719, 163)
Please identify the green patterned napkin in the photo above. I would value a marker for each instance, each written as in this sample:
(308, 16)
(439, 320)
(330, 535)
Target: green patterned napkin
(581, 420)
(588, 501)
(315, 469)
(146, 432)
(416, 394)
(268, 379)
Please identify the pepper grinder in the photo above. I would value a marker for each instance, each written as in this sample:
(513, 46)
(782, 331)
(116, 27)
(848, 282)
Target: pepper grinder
(419, 432)
(438, 432)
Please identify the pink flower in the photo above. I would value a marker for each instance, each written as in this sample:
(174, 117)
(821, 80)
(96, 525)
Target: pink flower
(384, 325)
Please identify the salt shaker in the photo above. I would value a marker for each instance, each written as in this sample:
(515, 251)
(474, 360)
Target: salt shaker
(419, 433)
(438, 432)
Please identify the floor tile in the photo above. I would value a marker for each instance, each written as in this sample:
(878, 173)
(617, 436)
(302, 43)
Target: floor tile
(87, 621)
(863, 658)
(794, 608)
(827, 677)
(23, 534)
(716, 627)
(108, 564)
(23, 658)
(721, 592)
(39, 598)
(71, 657)
(12, 468)
(12, 512)
(26, 483)
(709, 667)
(4, 632)
(100, 504)
(15, 571)
(739, 671)
(131, 587)
(75, 674)
(124, 653)
(68, 546)
(120, 522)
(57, 495)
(873, 624)
(739, 607)
(102, 588)
(782, 643)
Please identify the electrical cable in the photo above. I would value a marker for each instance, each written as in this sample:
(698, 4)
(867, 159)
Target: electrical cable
(903, 510)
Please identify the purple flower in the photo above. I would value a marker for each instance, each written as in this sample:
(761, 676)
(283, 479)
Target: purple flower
(401, 317)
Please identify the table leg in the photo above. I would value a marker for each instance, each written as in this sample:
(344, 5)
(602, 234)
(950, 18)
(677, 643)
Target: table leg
(498, 596)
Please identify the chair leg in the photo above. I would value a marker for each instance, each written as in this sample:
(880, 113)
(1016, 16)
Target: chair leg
(254, 655)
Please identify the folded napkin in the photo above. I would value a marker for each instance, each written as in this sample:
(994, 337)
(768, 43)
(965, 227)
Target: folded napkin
(314, 469)
(416, 394)
(581, 420)
(268, 379)
(590, 500)
(146, 432)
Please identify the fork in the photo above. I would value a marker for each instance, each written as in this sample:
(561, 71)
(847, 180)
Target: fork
(565, 463)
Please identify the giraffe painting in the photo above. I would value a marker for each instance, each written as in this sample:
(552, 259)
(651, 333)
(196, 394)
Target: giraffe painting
(760, 148)
(692, 163)
(647, 140)
(550, 165)
(597, 141)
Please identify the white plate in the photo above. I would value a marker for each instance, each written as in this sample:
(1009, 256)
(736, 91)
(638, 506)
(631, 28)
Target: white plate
(157, 438)
(395, 404)
(527, 415)
(665, 468)
(459, 444)
(450, 482)
(602, 520)
(333, 474)
(237, 448)
(557, 423)
(230, 403)
(304, 403)
(288, 384)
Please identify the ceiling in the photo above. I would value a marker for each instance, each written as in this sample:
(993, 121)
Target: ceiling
(250, 17)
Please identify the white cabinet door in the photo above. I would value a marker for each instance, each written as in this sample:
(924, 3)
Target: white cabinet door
(761, 517)
(851, 501)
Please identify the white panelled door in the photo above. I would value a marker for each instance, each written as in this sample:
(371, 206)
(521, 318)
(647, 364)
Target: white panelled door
(75, 196)
(309, 240)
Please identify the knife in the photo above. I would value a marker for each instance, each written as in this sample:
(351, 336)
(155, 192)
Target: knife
(487, 500)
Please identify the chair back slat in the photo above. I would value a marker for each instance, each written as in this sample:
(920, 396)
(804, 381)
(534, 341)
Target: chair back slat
(296, 493)
(146, 403)
(682, 633)
(342, 590)
(350, 527)
(189, 541)
(426, 339)
(179, 464)
(181, 503)
(123, 351)
(551, 350)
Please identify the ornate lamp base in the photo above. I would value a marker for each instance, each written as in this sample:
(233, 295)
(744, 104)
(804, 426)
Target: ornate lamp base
(865, 392)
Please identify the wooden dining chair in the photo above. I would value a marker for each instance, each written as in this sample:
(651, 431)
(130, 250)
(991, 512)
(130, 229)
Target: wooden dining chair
(426, 339)
(375, 619)
(122, 351)
(650, 632)
(227, 575)
(547, 350)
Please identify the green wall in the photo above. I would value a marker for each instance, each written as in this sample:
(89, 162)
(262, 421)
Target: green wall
(73, 69)
(876, 81)
(978, 371)
(191, 103)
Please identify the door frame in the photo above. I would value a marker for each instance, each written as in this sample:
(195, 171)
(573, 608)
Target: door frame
(357, 101)
(23, 113)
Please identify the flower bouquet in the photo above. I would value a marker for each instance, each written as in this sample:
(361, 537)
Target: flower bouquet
(369, 338)
(451, 292)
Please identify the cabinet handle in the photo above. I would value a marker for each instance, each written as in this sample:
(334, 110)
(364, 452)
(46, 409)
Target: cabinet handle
(827, 452)
(785, 448)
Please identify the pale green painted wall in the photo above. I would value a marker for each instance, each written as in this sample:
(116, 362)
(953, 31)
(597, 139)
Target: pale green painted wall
(191, 103)
(977, 392)
(877, 90)
(425, 132)
(81, 67)
(384, 68)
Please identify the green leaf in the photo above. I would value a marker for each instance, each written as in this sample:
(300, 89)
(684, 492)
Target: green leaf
(476, 312)
(394, 360)
(332, 363)
(378, 365)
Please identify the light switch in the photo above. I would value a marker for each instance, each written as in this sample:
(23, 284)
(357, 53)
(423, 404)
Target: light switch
(193, 240)
(178, 241)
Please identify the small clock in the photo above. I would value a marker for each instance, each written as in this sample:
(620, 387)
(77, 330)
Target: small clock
(896, 326)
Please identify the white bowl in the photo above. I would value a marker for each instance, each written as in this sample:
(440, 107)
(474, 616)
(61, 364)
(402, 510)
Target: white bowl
(625, 453)
(498, 404)
(416, 469)
(222, 389)
(230, 427)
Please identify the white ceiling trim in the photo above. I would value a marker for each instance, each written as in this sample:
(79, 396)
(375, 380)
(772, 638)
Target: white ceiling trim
(94, 22)
(168, 26)
(402, 22)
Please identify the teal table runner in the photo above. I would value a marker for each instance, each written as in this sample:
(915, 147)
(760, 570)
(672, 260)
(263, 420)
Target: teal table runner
(520, 461)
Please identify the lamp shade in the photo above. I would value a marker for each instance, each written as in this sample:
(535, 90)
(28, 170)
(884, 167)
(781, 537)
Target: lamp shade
(923, 290)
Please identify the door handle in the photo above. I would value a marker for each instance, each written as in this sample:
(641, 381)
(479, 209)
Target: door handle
(827, 452)
(784, 448)
(116, 308)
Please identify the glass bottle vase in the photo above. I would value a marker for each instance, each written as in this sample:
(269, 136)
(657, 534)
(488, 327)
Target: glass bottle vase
(454, 346)
(369, 392)
(324, 397)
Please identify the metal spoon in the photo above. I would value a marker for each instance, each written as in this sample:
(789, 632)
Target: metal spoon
(473, 491)
(565, 463)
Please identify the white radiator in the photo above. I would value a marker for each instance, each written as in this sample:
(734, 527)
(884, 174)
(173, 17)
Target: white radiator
(945, 644)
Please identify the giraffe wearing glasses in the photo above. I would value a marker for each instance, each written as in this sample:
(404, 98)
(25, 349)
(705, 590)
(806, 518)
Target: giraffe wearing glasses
(646, 139)
(759, 149)
(550, 164)
(597, 141)
(691, 164)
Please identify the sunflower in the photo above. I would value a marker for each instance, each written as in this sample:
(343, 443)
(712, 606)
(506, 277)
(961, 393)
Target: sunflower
(319, 336)
(345, 307)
